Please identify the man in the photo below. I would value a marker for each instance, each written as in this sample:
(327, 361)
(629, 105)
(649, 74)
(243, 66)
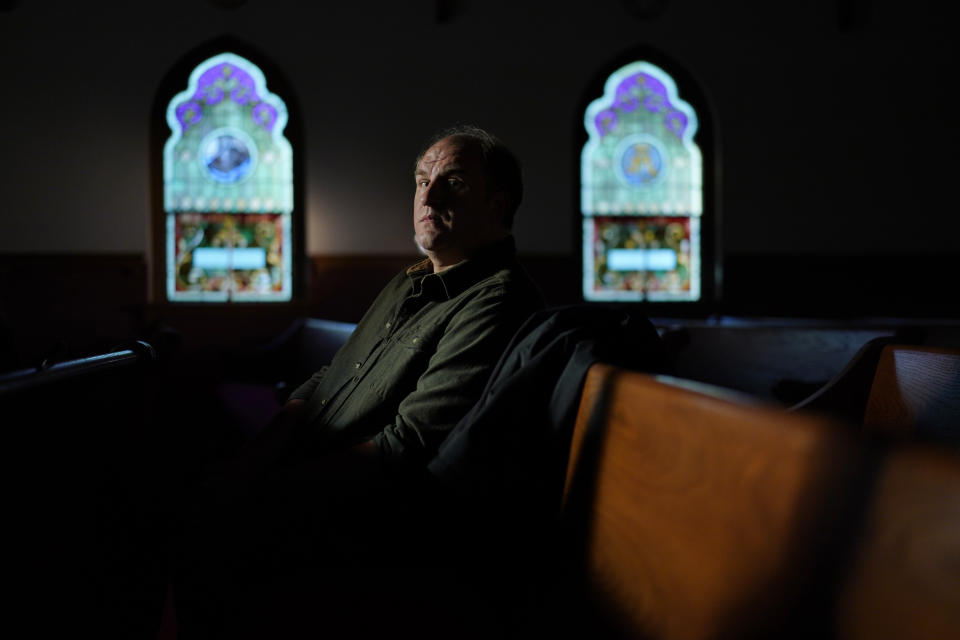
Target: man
(420, 356)
(354, 440)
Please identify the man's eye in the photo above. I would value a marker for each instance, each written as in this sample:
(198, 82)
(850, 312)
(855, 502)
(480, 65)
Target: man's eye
(454, 182)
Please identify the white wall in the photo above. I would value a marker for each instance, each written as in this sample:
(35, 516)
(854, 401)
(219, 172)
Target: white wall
(830, 141)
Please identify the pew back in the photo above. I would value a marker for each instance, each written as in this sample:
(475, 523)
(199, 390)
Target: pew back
(701, 508)
(915, 390)
(703, 514)
(86, 463)
(905, 576)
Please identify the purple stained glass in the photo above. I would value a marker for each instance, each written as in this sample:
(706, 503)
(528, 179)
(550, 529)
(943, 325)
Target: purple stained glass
(226, 80)
(210, 94)
(626, 96)
(636, 87)
(651, 84)
(605, 121)
(655, 103)
(676, 122)
(265, 115)
(242, 95)
(641, 89)
(189, 113)
(226, 77)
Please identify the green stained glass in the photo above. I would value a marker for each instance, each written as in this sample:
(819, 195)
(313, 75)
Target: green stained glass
(228, 178)
(641, 191)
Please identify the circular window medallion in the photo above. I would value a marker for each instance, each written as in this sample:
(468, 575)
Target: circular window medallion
(228, 155)
(641, 160)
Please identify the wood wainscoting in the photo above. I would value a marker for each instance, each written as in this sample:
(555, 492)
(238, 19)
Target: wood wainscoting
(64, 306)
(342, 287)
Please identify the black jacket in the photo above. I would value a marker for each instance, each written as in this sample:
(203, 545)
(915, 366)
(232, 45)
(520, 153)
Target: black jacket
(507, 458)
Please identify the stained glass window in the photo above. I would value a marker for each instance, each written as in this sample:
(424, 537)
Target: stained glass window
(641, 197)
(228, 188)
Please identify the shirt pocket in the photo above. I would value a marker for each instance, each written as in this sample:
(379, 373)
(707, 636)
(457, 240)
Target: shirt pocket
(415, 339)
(406, 357)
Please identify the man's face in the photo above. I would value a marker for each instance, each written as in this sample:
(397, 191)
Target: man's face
(453, 213)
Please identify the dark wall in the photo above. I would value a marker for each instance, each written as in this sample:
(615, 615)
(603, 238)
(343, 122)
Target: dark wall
(832, 134)
(832, 130)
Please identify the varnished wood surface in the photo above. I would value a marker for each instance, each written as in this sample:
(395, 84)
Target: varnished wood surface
(915, 390)
(703, 511)
(905, 581)
(594, 381)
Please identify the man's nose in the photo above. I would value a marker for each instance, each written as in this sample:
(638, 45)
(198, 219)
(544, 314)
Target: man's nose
(434, 194)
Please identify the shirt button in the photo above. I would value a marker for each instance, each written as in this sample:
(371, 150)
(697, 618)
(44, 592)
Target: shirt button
(323, 402)
(388, 325)
(356, 364)
(415, 340)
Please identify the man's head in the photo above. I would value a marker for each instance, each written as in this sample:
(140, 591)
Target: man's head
(468, 188)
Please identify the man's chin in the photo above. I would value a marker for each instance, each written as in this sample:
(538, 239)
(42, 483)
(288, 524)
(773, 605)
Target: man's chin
(419, 246)
(428, 244)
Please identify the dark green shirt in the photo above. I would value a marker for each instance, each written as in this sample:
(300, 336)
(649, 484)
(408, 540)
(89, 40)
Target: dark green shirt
(420, 357)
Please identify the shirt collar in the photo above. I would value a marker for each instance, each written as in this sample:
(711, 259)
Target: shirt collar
(464, 274)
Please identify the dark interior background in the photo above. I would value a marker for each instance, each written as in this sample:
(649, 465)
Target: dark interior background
(831, 130)
(832, 193)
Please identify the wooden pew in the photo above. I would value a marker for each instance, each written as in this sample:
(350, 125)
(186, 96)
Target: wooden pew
(898, 390)
(916, 392)
(904, 580)
(86, 468)
(694, 513)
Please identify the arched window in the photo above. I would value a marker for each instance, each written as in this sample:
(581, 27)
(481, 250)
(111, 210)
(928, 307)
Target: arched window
(642, 192)
(228, 192)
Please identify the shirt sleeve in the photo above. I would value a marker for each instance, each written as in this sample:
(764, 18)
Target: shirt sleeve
(455, 377)
(305, 390)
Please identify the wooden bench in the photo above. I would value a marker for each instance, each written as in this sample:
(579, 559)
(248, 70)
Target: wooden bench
(901, 390)
(694, 513)
(87, 467)
(904, 579)
(691, 512)
(916, 391)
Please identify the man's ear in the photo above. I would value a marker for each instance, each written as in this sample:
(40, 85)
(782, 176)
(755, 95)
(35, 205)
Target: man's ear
(499, 204)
